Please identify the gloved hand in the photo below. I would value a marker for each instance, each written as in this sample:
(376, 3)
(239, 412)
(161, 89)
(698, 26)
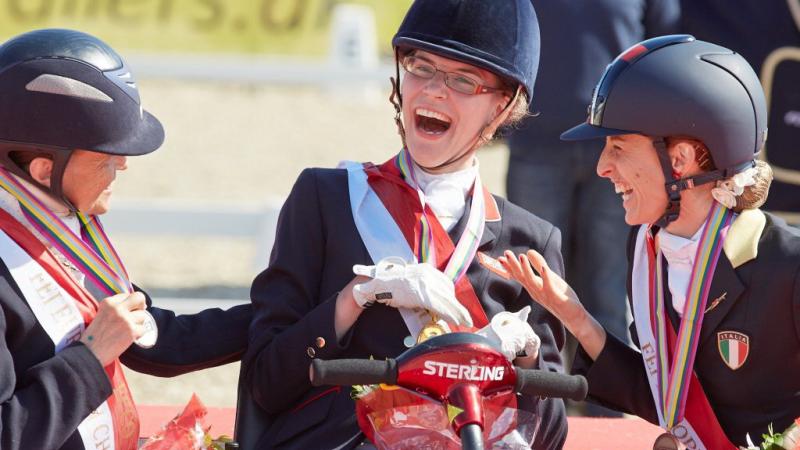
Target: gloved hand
(512, 333)
(399, 284)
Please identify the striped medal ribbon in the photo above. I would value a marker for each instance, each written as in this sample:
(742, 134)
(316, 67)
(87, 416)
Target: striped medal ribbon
(94, 255)
(467, 245)
(674, 379)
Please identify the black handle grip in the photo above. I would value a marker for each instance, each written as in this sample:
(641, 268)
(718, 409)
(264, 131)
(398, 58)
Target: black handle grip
(347, 372)
(551, 384)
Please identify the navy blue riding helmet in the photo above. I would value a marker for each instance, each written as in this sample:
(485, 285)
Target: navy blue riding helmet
(501, 36)
(679, 86)
(62, 90)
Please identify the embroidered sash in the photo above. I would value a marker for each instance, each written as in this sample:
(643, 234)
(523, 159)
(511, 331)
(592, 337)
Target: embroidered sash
(93, 254)
(64, 308)
(681, 404)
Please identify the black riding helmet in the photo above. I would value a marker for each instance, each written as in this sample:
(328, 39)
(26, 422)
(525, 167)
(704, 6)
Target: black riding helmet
(678, 86)
(62, 90)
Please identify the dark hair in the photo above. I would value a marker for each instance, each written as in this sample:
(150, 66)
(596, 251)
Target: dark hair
(23, 158)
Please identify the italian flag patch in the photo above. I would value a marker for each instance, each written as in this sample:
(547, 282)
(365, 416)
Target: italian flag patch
(733, 348)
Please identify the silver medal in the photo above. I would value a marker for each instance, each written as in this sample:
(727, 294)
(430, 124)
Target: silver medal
(150, 336)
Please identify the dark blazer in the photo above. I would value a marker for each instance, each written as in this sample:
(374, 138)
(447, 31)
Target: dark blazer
(44, 396)
(759, 273)
(316, 246)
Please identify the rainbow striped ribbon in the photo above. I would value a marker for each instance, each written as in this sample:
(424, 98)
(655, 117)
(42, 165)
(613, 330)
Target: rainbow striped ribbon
(94, 255)
(467, 245)
(674, 380)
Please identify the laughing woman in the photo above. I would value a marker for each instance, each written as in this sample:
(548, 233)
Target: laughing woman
(469, 67)
(712, 280)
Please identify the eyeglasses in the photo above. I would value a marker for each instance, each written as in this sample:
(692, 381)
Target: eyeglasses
(454, 80)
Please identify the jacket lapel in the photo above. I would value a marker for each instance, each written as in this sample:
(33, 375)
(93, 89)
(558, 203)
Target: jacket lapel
(740, 247)
(726, 288)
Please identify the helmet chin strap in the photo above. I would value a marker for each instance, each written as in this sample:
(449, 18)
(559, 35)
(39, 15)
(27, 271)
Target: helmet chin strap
(396, 99)
(57, 182)
(675, 187)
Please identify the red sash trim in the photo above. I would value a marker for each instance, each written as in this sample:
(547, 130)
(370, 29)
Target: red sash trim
(123, 410)
(404, 206)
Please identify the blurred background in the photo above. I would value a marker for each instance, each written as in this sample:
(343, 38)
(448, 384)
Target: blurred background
(250, 92)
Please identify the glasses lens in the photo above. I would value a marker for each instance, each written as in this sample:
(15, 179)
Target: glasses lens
(418, 67)
(461, 83)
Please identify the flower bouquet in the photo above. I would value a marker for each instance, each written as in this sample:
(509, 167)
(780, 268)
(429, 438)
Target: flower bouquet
(788, 440)
(186, 431)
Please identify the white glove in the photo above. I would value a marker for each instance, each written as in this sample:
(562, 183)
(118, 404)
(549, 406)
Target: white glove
(512, 333)
(398, 284)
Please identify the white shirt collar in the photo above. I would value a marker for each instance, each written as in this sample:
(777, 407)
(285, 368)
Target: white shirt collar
(680, 254)
(678, 249)
(446, 193)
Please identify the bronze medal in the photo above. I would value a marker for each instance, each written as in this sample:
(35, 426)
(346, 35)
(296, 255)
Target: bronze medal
(666, 441)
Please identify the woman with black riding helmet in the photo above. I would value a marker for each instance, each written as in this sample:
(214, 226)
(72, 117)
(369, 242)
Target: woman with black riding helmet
(712, 280)
(410, 229)
(70, 116)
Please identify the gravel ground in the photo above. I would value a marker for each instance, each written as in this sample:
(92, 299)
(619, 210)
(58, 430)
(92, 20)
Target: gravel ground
(242, 145)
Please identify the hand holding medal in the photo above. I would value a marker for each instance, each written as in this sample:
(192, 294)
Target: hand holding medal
(120, 319)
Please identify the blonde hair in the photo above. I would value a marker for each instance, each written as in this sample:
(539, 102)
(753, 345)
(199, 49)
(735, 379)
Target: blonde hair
(754, 196)
(519, 111)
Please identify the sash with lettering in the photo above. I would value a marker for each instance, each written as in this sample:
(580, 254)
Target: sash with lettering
(393, 220)
(64, 309)
(682, 406)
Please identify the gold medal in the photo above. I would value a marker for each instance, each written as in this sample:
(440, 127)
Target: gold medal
(431, 329)
(667, 441)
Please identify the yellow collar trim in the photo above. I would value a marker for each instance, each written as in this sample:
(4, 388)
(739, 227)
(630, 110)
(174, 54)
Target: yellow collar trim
(741, 243)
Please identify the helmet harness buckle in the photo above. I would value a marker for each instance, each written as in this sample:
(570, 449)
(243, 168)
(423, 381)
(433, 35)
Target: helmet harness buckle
(675, 187)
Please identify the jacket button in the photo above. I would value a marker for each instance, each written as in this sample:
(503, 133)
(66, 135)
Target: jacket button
(320, 341)
(310, 352)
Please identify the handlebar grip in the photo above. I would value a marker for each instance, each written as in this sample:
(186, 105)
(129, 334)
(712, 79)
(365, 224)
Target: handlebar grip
(347, 372)
(551, 384)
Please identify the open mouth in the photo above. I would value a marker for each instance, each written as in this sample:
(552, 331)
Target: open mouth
(624, 190)
(431, 122)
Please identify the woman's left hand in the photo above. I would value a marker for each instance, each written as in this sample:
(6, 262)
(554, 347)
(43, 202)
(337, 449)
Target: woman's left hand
(554, 294)
(547, 288)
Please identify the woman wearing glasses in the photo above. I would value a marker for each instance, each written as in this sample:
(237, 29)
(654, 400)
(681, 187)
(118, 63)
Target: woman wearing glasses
(712, 280)
(369, 257)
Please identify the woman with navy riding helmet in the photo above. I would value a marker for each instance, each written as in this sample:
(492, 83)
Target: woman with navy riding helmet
(369, 259)
(712, 280)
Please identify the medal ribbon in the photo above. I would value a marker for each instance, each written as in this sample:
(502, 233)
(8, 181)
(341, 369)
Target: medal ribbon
(674, 380)
(99, 262)
(468, 243)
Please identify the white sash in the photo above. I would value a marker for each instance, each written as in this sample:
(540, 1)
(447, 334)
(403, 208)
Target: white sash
(640, 292)
(61, 319)
(380, 233)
